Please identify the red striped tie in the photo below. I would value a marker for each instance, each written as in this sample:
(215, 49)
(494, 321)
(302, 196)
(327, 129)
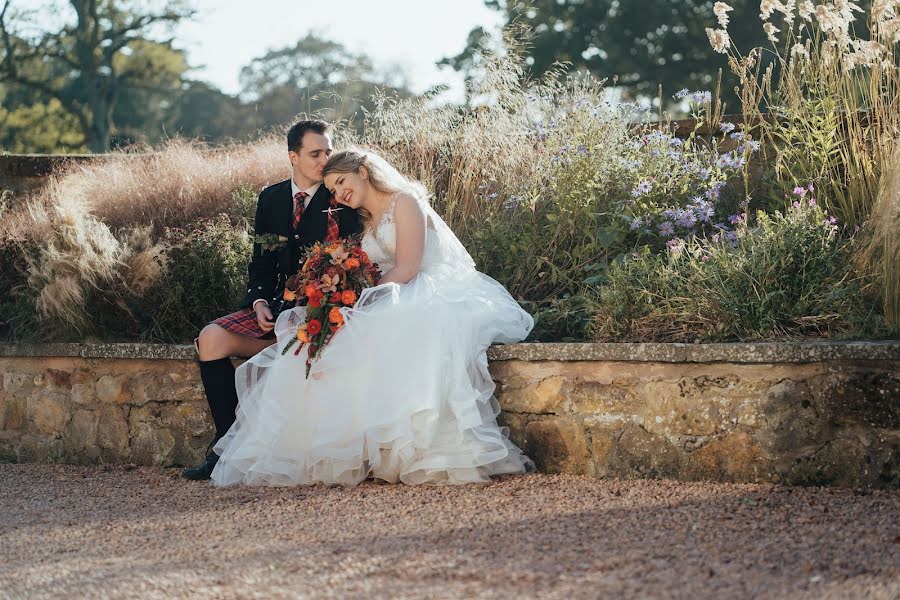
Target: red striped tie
(299, 205)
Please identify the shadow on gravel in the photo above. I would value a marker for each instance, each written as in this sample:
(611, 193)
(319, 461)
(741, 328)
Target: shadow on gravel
(89, 527)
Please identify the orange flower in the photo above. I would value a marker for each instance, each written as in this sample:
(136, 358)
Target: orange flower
(335, 316)
(348, 297)
(351, 263)
(313, 327)
(302, 336)
(289, 295)
(311, 290)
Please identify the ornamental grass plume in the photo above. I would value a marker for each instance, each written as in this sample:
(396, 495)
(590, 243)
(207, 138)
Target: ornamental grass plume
(177, 184)
(827, 107)
(76, 257)
(881, 249)
(721, 10)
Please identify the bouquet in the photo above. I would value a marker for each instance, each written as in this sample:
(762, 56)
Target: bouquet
(332, 275)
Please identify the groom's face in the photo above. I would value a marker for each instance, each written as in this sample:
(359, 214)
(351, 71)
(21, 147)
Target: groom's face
(315, 149)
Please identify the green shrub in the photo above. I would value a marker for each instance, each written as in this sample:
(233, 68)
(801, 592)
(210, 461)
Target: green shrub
(789, 275)
(205, 270)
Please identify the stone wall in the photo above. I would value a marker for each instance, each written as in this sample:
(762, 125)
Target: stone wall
(806, 413)
(21, 173)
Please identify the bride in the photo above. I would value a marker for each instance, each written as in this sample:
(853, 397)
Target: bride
(402, 392)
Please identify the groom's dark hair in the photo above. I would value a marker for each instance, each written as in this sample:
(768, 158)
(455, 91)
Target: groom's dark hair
(300, 128)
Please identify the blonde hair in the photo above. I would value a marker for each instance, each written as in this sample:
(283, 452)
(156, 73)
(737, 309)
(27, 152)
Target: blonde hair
(382, 175)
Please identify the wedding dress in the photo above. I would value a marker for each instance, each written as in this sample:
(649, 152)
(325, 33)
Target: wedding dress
(401, 393)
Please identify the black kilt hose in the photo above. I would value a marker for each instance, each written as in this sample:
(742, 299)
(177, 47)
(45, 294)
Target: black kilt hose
(269, 269)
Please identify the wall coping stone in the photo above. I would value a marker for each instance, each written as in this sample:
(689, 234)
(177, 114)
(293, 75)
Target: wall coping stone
(750, 353)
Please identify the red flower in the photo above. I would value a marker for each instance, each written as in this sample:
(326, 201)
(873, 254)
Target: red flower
(313, 327)
(335, 298)
(315, 301)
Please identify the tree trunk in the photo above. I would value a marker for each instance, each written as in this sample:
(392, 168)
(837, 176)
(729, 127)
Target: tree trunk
(98, 133)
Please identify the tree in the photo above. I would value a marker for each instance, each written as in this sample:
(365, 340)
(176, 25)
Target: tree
(315, 76)
(206, 113)
(92, 61)
(644, 43)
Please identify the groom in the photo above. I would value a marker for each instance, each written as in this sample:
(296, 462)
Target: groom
(290, 216)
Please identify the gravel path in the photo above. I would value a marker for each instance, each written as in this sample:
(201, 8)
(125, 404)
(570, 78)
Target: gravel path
(119, 532)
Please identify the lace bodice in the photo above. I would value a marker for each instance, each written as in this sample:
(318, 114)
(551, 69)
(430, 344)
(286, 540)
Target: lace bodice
(441, 246)
(380, 242)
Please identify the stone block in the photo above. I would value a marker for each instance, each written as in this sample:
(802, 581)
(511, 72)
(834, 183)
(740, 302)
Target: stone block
(151, 446)
(590, 397)
(81, 433)
(516, 424)
(84, 394)
(603, 442)
(40, 449)
(685, 408)
(557, 445)
(734, 457)
(789, 421)
(640, 453)
(543, 397)
(18, 383)
(12, 412)
(864, 396)
(59, 379)
(48, 412)
(191, 418)
(113, 389)
(112, 432)
(856, 457)
(165, 387)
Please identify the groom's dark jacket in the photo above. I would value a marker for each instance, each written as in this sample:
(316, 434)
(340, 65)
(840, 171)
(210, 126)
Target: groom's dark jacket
(270, 269)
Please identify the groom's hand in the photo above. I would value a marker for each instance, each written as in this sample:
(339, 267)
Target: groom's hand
(264, 316)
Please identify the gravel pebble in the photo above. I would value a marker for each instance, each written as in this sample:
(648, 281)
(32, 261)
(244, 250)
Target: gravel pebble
(126, 532)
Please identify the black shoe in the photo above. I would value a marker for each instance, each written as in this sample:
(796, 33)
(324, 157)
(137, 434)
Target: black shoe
(202, 471)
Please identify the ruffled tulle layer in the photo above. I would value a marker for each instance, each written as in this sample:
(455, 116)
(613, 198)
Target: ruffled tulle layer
(402, 392)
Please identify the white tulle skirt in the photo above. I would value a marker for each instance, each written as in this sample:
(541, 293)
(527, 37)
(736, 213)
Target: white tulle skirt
(401, 393)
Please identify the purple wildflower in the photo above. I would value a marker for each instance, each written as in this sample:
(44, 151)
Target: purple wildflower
(642, 188)
(686, 219)
(705, 212)
(666, 229)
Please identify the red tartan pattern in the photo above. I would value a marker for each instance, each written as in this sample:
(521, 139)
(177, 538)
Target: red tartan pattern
(299, 207)
(334, 232)
(242, 322)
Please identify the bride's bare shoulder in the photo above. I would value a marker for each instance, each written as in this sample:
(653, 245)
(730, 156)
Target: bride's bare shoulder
(406, 207)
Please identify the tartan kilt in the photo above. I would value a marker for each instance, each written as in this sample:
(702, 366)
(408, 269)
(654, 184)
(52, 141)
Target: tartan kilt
(243, 322)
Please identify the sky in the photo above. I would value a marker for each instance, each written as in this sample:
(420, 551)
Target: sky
(413, 35)
(409, 34)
